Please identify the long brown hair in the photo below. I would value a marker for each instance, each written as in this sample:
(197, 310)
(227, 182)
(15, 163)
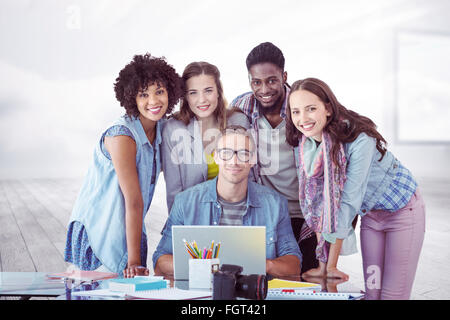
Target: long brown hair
(342, 125)
(195, 69)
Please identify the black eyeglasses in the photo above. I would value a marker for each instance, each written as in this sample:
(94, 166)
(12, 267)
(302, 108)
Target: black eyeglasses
(226, 154)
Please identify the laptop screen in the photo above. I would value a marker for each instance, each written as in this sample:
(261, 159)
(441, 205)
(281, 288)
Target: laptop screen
(244, 246)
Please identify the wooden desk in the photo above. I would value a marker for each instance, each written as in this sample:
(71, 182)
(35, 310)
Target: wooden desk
(327, 285)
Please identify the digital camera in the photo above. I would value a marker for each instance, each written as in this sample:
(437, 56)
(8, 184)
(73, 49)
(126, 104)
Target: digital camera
(228, 284)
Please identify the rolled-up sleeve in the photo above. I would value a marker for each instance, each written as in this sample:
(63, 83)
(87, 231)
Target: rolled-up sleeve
(359, 161)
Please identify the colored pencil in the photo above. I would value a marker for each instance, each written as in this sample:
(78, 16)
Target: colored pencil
(189, 248)
(197, 250)
(190, 253)
(217, 252)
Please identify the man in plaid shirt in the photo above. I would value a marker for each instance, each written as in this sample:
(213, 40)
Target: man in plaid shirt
(265, 107)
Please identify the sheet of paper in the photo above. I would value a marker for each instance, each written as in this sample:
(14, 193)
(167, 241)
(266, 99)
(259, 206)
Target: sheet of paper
(161, 294)
(172, 294)
(99, 293)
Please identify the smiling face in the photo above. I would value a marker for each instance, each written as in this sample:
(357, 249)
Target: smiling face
(202, 95)
(267, 83)
(234, 170)
(308, 113)
(152, 102)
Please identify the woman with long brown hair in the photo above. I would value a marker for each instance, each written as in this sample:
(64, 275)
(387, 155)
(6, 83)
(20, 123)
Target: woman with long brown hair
(189, 136)
(344, 170)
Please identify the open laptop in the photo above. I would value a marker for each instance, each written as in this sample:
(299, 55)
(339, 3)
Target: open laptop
(244, 246)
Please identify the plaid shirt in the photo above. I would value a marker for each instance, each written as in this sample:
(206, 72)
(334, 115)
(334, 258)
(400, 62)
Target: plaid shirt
(248, 104)
(399, 192)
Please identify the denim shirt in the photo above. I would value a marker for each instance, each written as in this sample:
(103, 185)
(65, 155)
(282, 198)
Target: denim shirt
(100, 205)
(199, 205)
(183, 156)
(367, 180)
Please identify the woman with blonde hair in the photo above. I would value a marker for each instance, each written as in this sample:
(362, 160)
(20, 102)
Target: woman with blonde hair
(189, 136)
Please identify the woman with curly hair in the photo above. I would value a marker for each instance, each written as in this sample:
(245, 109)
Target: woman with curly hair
(188, 137)
(344, 169)
(106, 229)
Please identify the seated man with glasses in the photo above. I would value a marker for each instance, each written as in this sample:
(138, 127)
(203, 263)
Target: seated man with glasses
(231, 199)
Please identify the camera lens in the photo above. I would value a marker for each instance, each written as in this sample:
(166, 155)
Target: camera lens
(253, 287)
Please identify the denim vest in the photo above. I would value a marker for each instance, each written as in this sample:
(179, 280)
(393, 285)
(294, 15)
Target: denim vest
(100, 205)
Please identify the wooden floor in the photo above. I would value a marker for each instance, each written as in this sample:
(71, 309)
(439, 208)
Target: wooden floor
(34, 216)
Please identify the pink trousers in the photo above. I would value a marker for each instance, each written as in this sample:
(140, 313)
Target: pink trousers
(390, 245)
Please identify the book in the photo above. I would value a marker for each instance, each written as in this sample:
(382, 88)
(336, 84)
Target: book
(137, 284)
(288, 284)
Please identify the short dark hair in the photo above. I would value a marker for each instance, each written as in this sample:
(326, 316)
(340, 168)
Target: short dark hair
(265, 52)
(142, 71)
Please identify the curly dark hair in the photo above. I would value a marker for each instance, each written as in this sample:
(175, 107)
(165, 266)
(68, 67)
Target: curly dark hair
(265, 52)
(142, 71)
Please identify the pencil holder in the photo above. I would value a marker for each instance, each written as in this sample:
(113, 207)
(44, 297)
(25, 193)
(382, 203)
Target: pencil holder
(201, 272)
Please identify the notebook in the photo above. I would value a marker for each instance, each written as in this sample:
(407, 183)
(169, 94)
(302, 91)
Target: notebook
(137, 284)
(239, 245)
(288, 284)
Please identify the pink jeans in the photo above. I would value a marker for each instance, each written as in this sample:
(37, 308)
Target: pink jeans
(390, 245)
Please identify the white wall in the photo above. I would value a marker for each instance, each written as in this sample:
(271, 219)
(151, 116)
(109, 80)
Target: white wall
(59, 59)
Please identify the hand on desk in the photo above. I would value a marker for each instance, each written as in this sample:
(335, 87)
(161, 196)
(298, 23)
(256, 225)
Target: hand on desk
(330, 284)
(324, 271)
(337, 274)
(135, 270)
